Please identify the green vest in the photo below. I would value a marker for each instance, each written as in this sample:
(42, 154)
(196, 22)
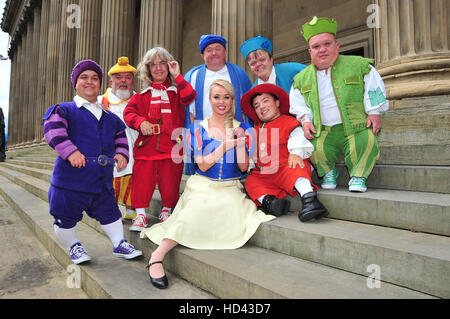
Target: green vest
(347, 77)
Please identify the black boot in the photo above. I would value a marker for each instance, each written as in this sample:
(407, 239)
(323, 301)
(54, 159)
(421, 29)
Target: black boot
(275, 206)
(312, 208)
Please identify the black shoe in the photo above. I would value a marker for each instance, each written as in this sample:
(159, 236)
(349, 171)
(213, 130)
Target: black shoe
(312, 208)
(275, 206)
(160, 283)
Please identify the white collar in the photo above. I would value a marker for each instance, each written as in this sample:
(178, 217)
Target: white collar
(79, 101)
(223, 70)
(170, 88)
(272, 78)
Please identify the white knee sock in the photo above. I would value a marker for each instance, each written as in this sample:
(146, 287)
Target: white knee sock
(303, 186)
(67, 237)
(114, 232)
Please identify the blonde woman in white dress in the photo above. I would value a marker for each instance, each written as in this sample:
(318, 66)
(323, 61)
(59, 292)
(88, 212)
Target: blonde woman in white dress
(213, 212)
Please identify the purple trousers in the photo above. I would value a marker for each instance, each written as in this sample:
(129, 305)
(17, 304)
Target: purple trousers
(67, 206)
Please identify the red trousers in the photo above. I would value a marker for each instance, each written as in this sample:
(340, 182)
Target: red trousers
(278, 184)
(149, 173)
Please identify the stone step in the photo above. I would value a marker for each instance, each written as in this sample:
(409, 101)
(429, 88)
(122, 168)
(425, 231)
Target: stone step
(30, 163)
(258, 273)
(287, 235)
(414, 260)
(280, 276)
(34, 158)
(434, 179)
(44, 174)
(415, 154)
(418, 211)
(105, 276)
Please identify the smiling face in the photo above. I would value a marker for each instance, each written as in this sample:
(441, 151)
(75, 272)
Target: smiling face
(159, 70)
(324, 50)
(215, 56)
(122, 82)
(221, 100)
(260, 63)
(88, 85)
(267, 108)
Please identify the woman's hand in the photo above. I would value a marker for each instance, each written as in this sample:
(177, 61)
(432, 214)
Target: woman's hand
(174, 68)
(146, 128)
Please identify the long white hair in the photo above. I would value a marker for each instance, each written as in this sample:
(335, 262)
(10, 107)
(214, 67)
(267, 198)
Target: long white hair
(144, 66)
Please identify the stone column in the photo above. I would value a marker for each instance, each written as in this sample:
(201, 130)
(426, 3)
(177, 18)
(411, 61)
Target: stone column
(239, 20)
(66, 53)
(54, 32)
(160, 25)
(412, 44)
(42, 67)
(34, 79)
(26, 107)
(12, 98)
(88, 36)
(117, 33)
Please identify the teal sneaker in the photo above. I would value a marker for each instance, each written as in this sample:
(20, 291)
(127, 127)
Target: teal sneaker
(357, 184)
(329, 180)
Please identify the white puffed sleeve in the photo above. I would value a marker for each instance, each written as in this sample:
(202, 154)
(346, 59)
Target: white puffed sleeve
(375, 101)
(299, 107)
(299, 145)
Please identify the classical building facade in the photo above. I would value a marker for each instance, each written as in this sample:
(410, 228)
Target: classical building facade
(409, 40)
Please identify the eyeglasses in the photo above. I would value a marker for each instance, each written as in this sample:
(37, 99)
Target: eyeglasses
(161, 64)
(254, 61)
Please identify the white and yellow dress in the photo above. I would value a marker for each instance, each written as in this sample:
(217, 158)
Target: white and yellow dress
(213, 212)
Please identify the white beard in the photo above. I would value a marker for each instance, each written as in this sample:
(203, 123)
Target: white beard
(123, 94)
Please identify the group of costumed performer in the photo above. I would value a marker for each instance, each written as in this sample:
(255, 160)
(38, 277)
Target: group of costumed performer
(157, 112)
(89, 141)
(339, 100)
(122, 83)
(213, 52)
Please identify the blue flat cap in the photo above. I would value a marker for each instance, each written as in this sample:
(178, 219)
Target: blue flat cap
(256, 43)
(208, 39)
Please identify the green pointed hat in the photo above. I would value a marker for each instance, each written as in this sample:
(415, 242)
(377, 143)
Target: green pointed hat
(318, 25)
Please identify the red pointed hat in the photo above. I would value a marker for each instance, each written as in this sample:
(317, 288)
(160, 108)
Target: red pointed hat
(281, 94)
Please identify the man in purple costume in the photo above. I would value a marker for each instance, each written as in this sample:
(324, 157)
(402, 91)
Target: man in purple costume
(89, 140)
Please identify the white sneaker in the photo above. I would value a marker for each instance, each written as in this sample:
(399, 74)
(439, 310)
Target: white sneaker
(165, 213)
(329, 180)
(357, 184)
(78, 254)
(139, 223)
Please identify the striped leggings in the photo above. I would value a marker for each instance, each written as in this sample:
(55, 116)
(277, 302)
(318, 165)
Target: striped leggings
(360, 151)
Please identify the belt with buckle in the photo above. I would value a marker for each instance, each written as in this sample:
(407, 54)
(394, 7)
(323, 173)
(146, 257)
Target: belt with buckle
(102, 160)
(156, 129)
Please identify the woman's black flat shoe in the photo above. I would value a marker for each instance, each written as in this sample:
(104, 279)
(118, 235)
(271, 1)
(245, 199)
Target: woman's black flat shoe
(160, 283)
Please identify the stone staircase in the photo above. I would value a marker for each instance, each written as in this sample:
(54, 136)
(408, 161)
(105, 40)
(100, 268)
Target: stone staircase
(398, 230)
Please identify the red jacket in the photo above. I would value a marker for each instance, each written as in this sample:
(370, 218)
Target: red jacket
(137, 111)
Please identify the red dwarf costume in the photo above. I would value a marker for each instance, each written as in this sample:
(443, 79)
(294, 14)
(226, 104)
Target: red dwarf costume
(158, 157)
(272, 178)
(272, 174)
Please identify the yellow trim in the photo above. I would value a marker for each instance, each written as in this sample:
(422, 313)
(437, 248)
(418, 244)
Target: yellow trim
(352, 146)
(106, 95)
(369, 148)
(320, 141)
